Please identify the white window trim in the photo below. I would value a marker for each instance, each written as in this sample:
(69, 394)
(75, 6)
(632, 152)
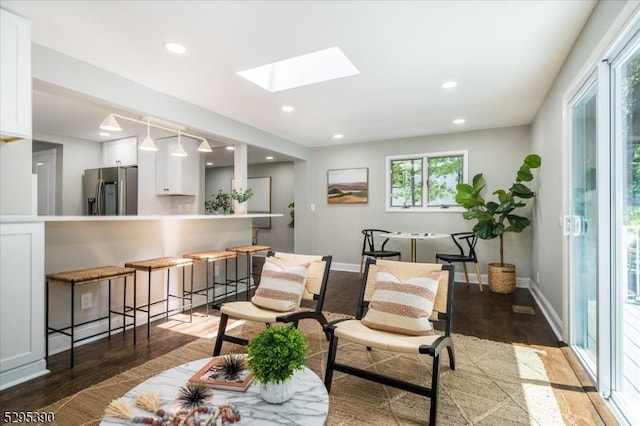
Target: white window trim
(449, 209)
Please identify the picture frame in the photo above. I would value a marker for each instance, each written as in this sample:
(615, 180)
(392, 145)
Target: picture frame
(348, 186)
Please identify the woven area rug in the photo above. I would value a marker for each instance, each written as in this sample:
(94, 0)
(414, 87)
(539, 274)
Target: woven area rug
(493, 384)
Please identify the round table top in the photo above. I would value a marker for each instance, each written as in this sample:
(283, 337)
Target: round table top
(308, 406)
(415, 235)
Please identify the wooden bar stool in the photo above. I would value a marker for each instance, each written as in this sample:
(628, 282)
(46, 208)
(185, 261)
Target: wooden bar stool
(158, 264)
(211, 256)
(248, 251)
(86, 276)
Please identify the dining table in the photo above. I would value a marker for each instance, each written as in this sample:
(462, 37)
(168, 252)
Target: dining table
(414, 237)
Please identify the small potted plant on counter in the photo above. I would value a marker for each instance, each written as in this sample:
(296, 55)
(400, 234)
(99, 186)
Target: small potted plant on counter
(274, 355)
(241, 197)
(221, 204)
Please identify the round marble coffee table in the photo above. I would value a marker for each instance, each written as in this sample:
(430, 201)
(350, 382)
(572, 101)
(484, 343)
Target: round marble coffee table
(308, 406)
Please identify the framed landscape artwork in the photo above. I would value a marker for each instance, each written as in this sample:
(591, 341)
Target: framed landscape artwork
(348, 186)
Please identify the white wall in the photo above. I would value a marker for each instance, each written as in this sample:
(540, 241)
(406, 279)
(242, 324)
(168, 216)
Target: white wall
(335, 229)
(15, 177)
(547, 140)
(279, 237)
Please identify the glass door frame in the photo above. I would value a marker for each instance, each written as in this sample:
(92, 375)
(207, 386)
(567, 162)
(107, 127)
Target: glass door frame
(593, 78)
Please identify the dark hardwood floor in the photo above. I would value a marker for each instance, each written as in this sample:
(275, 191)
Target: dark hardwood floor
(485, 315)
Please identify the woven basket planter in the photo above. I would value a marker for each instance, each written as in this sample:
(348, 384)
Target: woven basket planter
(502, 279)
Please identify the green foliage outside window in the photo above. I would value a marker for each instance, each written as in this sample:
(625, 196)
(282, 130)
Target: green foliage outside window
(425, 181)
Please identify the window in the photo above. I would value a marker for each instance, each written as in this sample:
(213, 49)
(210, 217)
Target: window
(424, 182)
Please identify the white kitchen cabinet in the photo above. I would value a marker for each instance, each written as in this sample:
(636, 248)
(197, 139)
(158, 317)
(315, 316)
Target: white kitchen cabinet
(22, 304)
(121, 152)
(15, 77)
(176, 175)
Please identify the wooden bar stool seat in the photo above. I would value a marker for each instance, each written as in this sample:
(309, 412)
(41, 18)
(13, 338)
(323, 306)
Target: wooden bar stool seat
(159, 264)
(86, 276)
(248, 251)
(211, 256)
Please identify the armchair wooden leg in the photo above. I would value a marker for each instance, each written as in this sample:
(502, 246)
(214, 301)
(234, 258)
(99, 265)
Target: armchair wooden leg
(361, 266)
(452, 357)
(479, 276)
(433, 410)
(222, 328)
(331, 359)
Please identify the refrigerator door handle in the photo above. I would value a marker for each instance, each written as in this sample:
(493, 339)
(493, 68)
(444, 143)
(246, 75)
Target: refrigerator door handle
(100, 197)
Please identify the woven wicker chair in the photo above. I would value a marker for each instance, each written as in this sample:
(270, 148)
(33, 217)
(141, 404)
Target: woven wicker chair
(315, 288)
(369, 247)
(354, 331)
(463, 238)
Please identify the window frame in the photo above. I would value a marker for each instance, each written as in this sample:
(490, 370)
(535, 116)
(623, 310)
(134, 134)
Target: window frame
(424, 208)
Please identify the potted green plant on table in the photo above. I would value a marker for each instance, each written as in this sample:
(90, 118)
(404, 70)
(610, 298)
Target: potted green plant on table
(274, 355)
(241, 197)
(495, 218)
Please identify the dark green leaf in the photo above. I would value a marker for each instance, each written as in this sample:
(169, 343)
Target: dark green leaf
(521, 190)
(517, 223)
(533, 161)
(484, 230)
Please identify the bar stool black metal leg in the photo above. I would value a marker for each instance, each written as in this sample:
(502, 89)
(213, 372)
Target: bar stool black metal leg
(191, 296)
(206, 284)
(109, 310)
(72, 318)
(237, 279)
(135, 291)
(249, 275)
(149, 307)
(166, 313)
(46, 321)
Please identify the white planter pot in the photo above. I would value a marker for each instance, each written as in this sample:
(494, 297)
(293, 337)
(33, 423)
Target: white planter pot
(277, 393)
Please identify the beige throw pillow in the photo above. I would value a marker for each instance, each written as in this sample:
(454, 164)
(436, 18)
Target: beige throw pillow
(402, 307)
(281, 286)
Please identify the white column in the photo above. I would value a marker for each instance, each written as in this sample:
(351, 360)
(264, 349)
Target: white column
(240, 173)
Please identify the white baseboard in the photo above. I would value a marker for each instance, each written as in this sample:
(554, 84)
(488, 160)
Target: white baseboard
(59, 343)
(23, 373)
(549, 313)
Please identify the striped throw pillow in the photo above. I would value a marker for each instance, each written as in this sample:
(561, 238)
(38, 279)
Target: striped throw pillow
(281, 286)
(402, 307)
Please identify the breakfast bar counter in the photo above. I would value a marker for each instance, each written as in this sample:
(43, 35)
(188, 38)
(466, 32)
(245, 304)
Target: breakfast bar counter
(34, 246)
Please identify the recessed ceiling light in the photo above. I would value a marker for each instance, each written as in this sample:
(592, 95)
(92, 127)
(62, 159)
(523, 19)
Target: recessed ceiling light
(338, 136)
(316, 67)
(449, 84)
(229, 148)
(105, 134)
(268, 157)
(174, 47)
(209, 163)
(287, 108)
(459, 121)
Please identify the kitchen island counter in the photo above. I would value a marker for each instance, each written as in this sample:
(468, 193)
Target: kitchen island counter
(31, 218)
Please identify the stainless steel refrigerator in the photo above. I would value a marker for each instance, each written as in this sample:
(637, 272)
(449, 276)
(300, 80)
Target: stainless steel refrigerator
(111, 191)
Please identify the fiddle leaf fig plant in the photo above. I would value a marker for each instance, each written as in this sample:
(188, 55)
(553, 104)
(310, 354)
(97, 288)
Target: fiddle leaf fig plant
(494, 218)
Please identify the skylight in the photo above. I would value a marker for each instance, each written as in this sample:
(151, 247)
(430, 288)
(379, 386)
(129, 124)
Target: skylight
(316, 67)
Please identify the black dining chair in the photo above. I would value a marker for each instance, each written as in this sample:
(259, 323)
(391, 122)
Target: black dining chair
(369, 246)
(469, 240)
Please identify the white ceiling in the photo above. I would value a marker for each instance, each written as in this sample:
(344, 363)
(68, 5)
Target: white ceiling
(503, 54)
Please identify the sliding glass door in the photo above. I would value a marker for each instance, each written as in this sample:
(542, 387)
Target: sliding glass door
(581, 224)
(625, 291)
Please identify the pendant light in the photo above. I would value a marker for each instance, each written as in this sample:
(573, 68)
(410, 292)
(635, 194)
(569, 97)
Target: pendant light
(147, 143)
(111, 124)
(178, 150)
(204, 146)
